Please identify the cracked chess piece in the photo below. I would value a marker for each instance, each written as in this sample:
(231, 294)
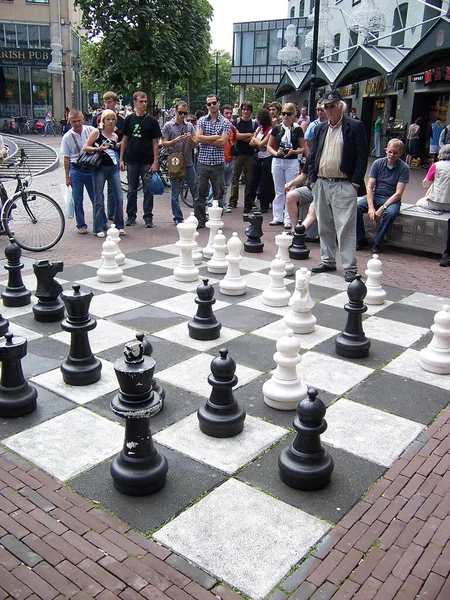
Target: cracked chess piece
(298, 250)
(254, 232)
(375, 293)
(81, 367)
(49, 307)
(204, 326)
(15, 294)
(276, 293)
(306, 465)
(435, 358)
(109, 272)
(222, 417)
(17, 396)
(299, 317)
(138, 470)
(352, 342)
(148, 351)
(233, 284)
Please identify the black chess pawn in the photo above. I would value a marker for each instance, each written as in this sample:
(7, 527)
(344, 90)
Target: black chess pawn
(352, 342)
(139, 469)
(298, 249)
(81, 367)
(222, 416)
(4, 325)
(17, 396)
(49, 307)
(254, 232)
(204, 326)
(148, 351)
(15, 293)
(306, 465)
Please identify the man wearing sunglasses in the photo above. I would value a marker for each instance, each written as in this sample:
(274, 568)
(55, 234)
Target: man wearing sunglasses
(212, 135)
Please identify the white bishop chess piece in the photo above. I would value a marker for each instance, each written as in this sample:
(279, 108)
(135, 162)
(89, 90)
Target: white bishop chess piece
(233, 284)
(436, 356)
(197, 255)
(218, 262)
(186, 270)
(284, 242)
(284, 389)
(114, 235)
(299, 317)
(109, 272)
(276, 293)
(375, 293)
(213, 224)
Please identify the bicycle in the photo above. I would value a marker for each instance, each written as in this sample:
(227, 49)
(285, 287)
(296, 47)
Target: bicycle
(163, 172)
(186, 195)
(33, 219)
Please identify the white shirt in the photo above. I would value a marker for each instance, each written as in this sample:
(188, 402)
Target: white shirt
(69, 147)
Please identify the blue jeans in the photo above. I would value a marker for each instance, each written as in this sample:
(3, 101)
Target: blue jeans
(387, 218)
(111, 202)
(81, 178)
(49, 128)
(109, 173)
(134, 172)
(175, 192)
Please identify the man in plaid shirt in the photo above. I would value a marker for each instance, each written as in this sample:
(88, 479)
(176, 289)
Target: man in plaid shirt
(212, 135)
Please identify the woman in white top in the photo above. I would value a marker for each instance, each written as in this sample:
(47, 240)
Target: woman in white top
(437, 180)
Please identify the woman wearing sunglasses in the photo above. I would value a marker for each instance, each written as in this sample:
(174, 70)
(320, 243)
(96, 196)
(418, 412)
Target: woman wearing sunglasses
(286, 142)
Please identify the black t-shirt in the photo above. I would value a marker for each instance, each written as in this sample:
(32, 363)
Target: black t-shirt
(141, 131)
(243, 148)
(296, 136)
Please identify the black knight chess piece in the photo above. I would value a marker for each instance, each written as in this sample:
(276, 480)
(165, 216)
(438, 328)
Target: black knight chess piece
(148, 351)
(222, 417)
(254, 232)
(298, 249)
(15, 293)
(81, 367)
(138, 469)
(17, 396)
(49, 308)
(306, 465)
(204, 326)
(352, 342)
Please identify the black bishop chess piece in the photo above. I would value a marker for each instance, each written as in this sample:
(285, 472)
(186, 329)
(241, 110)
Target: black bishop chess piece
(17, 396)
(81, 367)
(204, 326)
(49, 307)
(254, 232)
(15, 293)
(298, 249)
(352, 342)
(148, 351)
(222, 417)
(305, 464)
(138, 469)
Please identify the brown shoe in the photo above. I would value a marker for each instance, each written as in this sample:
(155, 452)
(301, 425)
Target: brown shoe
(82, 230)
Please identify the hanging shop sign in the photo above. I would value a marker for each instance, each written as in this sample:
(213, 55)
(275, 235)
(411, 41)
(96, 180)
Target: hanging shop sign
(346, 91)
(438, 74)
(25, 57)
(376, 87)
(417, 78)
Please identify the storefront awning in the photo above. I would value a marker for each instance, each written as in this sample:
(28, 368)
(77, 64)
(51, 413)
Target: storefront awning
(370, 61)
(326, 74)
(433, 50)
(290, 82)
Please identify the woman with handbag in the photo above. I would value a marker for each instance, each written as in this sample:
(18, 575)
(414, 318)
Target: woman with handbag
(262, 164)
(105, 141)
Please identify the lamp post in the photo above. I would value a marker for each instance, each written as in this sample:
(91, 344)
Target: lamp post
(312, 89)
(217, 72)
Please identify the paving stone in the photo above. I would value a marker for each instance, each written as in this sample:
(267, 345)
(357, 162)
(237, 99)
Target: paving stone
(329, 542)
(369, 589)
(37, 499)
(123, 572)
(428, 485)
(13, 586)
(225, 594)
(26, 478)
(304, 592)
(370, 536)
(352, 536)
(20, 550)
(191, 571)
(201, 593)
(442, 535)
(347, 590)
(42, 589)
(79, 578)
(105, 545)
(99, 574)
(110, 521)
(388, 562)
(300, 574)
(407, 562)
(146, 572)
(17, 499)
(409, 588)
(345, 567)
(48, 553)
(325, 592)
(149, 545)
(12, 527)
(363, 571)
(392, 509)
(84, 546)
(7, 560)
(69, 521)
(428, 506)
(426, 533)
(426, 562)
(318, 576)
(442, 565)
(66, 549)
(431, 587)
(56, 580)
(409, 533)
(389, 588)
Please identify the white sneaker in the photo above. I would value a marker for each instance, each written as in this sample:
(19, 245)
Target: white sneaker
(287, 224)
(100, 234)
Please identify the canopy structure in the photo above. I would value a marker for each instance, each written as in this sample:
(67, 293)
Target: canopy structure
(370, 61)
(290, 82)
(326, 74)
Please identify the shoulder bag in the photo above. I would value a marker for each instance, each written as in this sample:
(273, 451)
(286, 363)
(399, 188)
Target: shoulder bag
(175, 164)
(87, 160)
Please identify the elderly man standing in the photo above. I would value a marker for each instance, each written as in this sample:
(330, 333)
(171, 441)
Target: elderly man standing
(338, 162)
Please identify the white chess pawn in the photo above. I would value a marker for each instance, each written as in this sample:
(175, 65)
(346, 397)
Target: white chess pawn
(109, 272)
(284, 389)
(218, 262)
(113, 234)
(276, 293)
(284, 242)
(197, 255)
(375, 293)
(435, 358)
(233, 284)
(186, 270)
(213, 224)
(299, 317)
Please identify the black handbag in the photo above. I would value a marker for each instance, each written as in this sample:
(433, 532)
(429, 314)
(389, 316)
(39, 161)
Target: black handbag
(89, 160)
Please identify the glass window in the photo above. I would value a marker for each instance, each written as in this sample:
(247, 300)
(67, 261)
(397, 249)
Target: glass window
(2, 35)
(261, 39)
(292, 12)
(311, 6)
(237, 49)
(301, 8)
(276, 38)
(41, 92)
(33, 36)
(429, 13)
(38, 1)
(25, 92)
(248, 42)
(399, 22)
(352, 41)
(336, 46)
(260, 56)
(44, 31)
(10, 35)
(9, 92)
(22, 36)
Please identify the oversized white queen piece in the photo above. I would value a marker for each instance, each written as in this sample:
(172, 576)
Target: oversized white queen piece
(186, 270)
(436, 356)
(233, 284)
(375, 293)
(299, 317)
(213, 224)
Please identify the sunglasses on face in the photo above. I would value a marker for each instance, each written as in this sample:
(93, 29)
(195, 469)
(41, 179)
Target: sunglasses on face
(182, 112)
(211, 103)
(330, 106)
(286, 114)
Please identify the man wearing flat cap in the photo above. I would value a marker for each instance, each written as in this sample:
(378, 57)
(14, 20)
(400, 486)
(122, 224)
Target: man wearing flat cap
(338, 162)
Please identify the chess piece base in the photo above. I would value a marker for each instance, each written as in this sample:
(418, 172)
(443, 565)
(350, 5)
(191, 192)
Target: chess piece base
(253, 247)
(204, 332)
(17, 402)
(298, 254)
(434, 360)
(305, 471)
(81, 372)
(233, 288)
(349, 348)
(14, 299)
(48, 313)
(283, 395)
(139, 476)
(221, 422)
(300, 324)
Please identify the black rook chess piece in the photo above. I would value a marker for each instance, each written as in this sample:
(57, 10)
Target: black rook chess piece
(298, 249)
(139, 469)
(222, 416)
(148, 351)
(306, 465)
(81, 367)
(17, 396)
(15, 293)
(254, 232)
(49, 308)
(352, 342)
(204, 326)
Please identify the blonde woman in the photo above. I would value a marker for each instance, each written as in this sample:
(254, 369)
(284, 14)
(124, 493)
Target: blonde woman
(49, 124)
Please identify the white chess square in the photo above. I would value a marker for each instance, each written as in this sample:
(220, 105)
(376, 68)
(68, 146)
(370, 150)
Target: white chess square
(28, 334)
(226, 454)
(185, 286)
(258, 304)
(30, 281)
(169, 263)
(180, 335)
(105, 305)
(129, 263)
(336, 282)
(95, 284)
(69, 444)
(192, 374)
(340, 300)
(251, 553)
(260, 281)
(275, 330)
(330, 374)
(168, 249)
(428, 301)
(253, 264)
(105, 335)
(408, 365)
(393, 332)
(367, 432)
(185, 304)
(9, 312)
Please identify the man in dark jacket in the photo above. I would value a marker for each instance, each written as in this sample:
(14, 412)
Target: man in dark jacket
(338, 162)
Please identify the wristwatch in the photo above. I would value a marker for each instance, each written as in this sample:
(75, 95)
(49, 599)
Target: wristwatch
(384, 207)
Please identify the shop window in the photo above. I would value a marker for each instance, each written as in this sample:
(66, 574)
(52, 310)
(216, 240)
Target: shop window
(248, 43)
(336, 47)
(301, 8)
(33, 36)
(41, 87)
(275, 42)
(44, 34)
(10, 36)
(399, 22)
(25, 91)
(9, 92)
(37, 1)
(22, 36)
(237, 50)
(292, 15)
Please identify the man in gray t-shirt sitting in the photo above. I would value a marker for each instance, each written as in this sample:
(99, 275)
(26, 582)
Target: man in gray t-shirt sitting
(387, 181)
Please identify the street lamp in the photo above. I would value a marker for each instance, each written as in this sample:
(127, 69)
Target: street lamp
(217, 72)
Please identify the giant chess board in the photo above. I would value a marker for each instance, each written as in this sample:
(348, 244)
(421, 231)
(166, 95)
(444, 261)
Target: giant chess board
(224, 506)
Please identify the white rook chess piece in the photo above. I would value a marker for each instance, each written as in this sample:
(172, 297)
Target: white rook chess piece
(284, 389)
(233, 284)
(113, 234)
(375, 293)
(276, 293)
(218, 262)
(299, 317)
(197, 255)
(284, 242)
(186, 270)
(436, 356)
(109, 272)
(213, 224)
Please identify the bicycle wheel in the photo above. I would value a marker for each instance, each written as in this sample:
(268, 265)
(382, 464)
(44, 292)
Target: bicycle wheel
(34, 220)
(186, 195)
(124, 181)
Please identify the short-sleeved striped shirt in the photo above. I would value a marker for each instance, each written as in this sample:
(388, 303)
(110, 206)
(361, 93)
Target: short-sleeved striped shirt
(208, 154)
